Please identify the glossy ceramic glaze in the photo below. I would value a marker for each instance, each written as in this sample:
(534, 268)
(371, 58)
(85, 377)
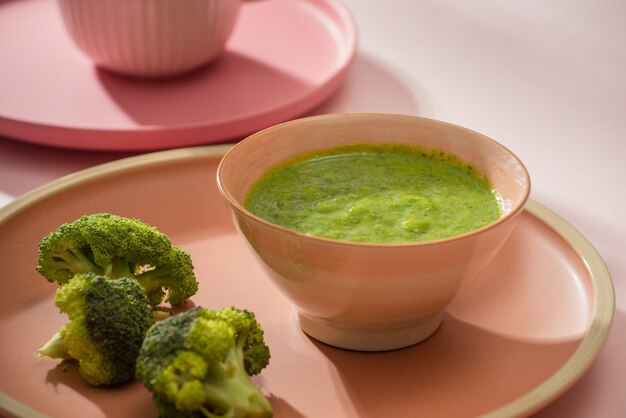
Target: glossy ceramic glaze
(150, 38)
(518, 337)
(370, 296)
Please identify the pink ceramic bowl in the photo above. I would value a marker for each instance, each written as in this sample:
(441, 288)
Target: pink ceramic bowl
(365, 296)
(150, 38)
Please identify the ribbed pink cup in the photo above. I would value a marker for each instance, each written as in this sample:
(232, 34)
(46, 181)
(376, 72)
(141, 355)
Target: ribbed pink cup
(150, 38)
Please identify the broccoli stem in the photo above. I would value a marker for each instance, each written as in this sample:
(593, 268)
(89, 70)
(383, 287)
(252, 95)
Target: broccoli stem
(55, 348)
(233, 393)
(119, 267)
(236, 397)
(155, 278)
(77, 261)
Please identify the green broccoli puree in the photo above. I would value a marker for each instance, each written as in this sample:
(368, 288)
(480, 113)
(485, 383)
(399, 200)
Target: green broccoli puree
(388, 193)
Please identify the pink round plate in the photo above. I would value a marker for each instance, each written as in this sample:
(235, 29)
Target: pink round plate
(284, 58)
(513, 341)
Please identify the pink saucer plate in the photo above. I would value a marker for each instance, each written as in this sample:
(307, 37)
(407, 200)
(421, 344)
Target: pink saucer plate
(513, 341)
(284, 58)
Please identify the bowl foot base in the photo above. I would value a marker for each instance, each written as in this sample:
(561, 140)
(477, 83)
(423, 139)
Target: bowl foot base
(369, 338)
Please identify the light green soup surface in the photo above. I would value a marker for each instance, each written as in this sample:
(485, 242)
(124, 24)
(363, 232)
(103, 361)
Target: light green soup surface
(376, 193)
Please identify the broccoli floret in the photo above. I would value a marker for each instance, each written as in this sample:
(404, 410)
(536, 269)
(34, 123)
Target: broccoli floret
(108, 320)
(199, 362)
(116, 247)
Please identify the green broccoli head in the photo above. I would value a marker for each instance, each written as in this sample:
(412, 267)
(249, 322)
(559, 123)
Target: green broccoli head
(108, 320)
(116, 247)
(198, 363)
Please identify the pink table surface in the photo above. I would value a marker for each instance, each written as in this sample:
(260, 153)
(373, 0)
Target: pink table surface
(544, 78)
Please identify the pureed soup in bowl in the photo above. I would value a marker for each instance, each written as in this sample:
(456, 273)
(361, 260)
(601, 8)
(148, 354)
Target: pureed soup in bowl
(371, 223)
(385, 193)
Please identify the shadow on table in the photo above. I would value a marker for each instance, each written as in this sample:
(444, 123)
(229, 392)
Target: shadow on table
(371, 86)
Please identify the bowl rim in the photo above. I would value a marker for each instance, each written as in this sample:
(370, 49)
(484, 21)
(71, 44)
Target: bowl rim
(235, 204)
